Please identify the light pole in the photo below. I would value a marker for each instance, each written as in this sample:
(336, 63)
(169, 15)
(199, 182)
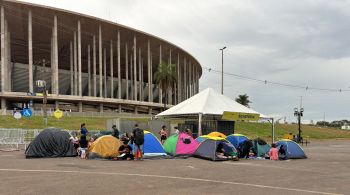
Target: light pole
(42, 84)
(299, 113)
(222, 69)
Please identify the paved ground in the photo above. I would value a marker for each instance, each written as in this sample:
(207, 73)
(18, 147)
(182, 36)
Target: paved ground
(326, 171)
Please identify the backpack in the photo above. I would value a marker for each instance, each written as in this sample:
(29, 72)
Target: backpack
(138, 136)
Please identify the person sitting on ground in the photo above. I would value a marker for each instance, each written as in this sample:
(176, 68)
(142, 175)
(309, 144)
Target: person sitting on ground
(282, 153)
(83, 130)
(138, 139)
(222, 153)
(163, 134)
(115, 132)
(83, 145)
(273, 153)
(75, 140)
(125, 152)
(90, 142)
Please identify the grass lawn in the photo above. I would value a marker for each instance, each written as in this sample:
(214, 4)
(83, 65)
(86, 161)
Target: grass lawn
(252, 130)
(263, 130)
(71, 123)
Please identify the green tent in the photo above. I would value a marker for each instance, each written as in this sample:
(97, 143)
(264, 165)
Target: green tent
(260, 147)
(170, 144)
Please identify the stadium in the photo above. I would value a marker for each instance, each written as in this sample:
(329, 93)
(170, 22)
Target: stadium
(88, 64)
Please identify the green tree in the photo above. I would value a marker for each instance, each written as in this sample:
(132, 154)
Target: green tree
(166, 78)
(244, 100)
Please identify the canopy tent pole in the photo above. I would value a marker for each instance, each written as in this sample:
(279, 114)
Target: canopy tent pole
(273, 130)
(200, 124)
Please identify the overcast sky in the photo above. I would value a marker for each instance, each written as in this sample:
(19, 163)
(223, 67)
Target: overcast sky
(301, 42)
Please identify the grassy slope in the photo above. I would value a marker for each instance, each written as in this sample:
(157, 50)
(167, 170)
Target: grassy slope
(71, 123)
(263, 130)
(252, 130)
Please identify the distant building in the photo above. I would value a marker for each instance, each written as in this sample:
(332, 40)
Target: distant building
(345, 127)
(89, 64)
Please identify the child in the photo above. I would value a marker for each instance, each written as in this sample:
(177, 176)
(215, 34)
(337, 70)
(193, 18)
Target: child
(90, 142)
(273, 153)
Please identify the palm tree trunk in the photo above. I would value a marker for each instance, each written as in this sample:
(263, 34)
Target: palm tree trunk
(165, 100)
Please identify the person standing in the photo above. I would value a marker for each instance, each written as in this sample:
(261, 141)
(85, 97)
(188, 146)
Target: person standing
(115, 131)
(163, 134)
(176, 130)
(83, 129)
(138, 138)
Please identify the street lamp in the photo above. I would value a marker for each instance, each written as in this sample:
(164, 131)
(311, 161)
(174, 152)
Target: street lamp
(222, 70)
(42, 84)
(299, 113)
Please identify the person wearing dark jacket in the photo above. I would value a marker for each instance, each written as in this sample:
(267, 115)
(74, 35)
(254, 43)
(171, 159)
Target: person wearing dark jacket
(138, 139)
(83, 145)
(246, 146)
(282, 153)
(115, 131)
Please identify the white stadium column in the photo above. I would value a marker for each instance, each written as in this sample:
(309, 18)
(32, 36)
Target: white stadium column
(79, 60)
(30, 52)
(94, 64)
(71, 68)
(3, 58)
(100, 58)
(111, 69)
(119, 76)
(151, 74)
(149, 70)
(89, 71)
(185, 82)
(160, 89)
(105, 72)
(140, 77)
(135, 72)
(75, 64)
(178, 80)
(55, 58)
(126, 71)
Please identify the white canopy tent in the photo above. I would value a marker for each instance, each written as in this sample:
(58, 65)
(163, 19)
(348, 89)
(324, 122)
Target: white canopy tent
(207, 102)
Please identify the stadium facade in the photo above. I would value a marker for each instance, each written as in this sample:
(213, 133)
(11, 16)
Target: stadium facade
(89, 64)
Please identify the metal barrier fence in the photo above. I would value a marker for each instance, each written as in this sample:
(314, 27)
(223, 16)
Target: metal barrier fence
(12, 139)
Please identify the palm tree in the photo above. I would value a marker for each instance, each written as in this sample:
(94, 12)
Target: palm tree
(166, 77)
(243, 99)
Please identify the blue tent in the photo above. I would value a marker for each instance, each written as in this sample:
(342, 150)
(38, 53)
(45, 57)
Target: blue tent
(293, 150)
(151, 146)
(236, 139)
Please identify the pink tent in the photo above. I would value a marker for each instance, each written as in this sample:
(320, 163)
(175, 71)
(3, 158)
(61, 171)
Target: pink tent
(180, 144)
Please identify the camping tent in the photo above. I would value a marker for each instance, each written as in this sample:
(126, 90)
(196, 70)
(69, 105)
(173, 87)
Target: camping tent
(217, 134)
(51, 143)
(260, 147)
(293, 150)
(236, 139)
(151, 146)
(208, 103)
(207, 149)
(105, 146)
(180, 144)
(200, 139)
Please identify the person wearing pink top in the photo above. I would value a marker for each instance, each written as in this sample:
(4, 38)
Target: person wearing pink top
(273, 153)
